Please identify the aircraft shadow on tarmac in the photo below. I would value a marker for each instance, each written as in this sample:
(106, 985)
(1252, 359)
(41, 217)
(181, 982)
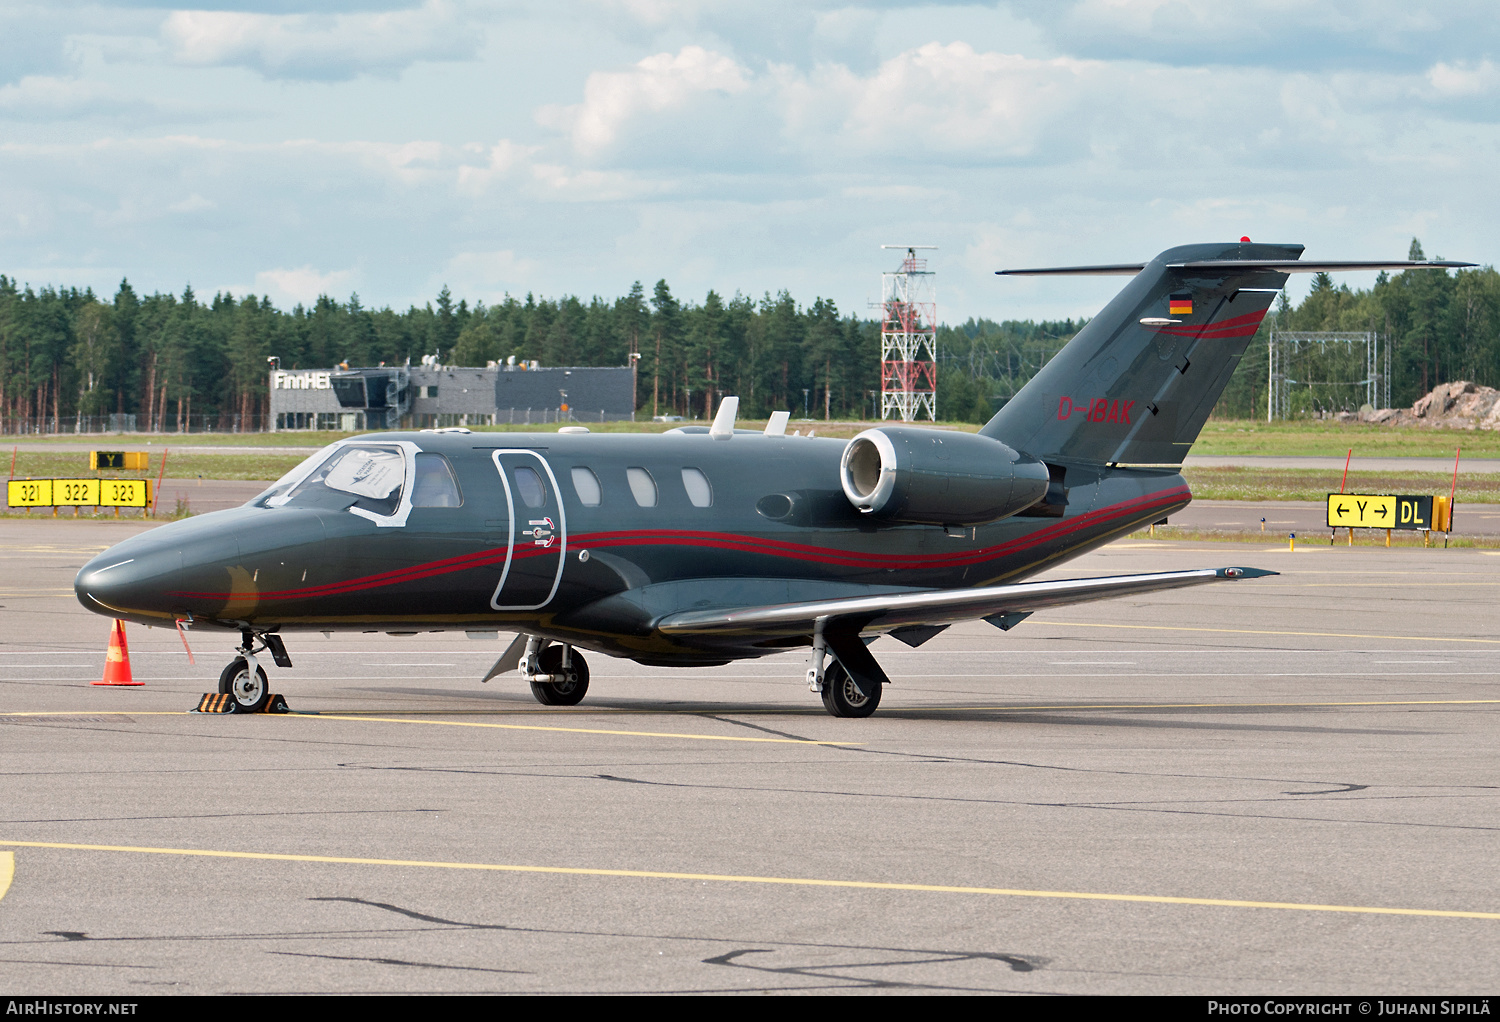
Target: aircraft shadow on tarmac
(957, 712)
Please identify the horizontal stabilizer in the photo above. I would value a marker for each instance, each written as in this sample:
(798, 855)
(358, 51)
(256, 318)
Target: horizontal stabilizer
(1103, 270)
(1135, 385)
(939, 607)
(1276, 265)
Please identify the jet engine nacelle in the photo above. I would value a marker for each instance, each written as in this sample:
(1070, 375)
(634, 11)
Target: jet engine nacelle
(938, 477)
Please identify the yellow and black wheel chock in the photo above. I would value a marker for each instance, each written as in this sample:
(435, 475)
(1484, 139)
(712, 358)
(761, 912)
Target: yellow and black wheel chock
(223, 702)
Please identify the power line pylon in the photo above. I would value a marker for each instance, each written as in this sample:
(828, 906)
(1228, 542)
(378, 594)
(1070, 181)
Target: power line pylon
(908, 338)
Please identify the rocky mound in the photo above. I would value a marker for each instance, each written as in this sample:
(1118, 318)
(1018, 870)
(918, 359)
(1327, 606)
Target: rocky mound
(1457, 405)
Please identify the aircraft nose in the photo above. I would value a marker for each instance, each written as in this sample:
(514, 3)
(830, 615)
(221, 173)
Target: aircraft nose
(128, 581)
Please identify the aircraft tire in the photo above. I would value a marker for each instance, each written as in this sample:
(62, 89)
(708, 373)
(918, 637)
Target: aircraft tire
(565, 693)
(249, 696)
(844, 697)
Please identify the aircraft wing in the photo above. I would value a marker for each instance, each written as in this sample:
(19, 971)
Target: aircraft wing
(866, 614)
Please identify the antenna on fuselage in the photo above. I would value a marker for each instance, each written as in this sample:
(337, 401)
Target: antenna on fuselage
(776, 426)
(723, 427)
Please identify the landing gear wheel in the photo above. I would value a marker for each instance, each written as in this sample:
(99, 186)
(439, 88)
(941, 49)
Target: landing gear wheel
(568, 690)
(843, 696)
(251, 694)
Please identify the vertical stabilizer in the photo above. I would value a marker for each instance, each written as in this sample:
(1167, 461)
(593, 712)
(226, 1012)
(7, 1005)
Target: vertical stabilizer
(1137, 383)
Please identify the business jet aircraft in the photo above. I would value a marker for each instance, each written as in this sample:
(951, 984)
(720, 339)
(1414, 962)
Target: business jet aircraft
(706, 545)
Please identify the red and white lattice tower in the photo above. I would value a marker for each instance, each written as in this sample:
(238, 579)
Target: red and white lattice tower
(908, 339)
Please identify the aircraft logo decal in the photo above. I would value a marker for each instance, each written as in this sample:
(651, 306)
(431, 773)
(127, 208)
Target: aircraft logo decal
(1180, 305)
(541, 532)
(1099, 409)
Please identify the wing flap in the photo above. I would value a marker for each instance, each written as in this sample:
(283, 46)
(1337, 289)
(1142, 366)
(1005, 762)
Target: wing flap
(889, 611)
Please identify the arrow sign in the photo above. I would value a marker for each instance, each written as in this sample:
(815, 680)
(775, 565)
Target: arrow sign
(1378, 511)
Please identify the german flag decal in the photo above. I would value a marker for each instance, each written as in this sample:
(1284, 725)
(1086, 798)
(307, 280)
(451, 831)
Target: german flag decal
(1180, 305)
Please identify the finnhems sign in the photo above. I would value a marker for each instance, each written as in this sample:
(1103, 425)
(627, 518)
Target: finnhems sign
(301, 381)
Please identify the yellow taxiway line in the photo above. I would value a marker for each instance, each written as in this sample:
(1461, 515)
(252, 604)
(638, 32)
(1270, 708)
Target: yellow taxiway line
(446, 723)
(417, 715)
(730, 878)
(7, 871)
(1214, 706)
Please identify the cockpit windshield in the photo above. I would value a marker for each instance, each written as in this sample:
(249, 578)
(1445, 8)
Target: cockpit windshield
(365, 476)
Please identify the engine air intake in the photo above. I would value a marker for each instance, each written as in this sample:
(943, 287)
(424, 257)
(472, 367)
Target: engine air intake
(938, 477)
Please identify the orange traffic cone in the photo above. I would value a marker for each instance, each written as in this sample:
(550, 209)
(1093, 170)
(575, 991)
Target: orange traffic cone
(117, 660)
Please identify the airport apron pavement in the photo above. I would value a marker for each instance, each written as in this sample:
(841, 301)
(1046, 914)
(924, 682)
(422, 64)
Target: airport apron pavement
(1270, 787)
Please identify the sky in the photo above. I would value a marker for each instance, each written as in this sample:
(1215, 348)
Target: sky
(290, 149)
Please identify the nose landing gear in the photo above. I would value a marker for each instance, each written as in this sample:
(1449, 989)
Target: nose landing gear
(246, 684)
(245, 679)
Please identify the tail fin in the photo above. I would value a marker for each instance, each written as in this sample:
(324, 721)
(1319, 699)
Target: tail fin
(1137, 383)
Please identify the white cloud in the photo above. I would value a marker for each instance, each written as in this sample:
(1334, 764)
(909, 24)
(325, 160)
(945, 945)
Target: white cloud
(939, 99)
(488, 276)
(303, 285)
(662, 82)
(194, 203)
(39, 96)
(1463, 79)
(505, 161)
(320, 46)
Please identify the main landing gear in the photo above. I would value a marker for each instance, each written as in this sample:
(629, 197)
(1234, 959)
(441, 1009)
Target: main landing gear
(843, 696)
(245, 678)
(845, 693)
(558, 674)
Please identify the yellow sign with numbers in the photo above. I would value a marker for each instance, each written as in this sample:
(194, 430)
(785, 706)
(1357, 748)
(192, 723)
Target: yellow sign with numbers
(29, 493)
(75, 492)
(79, 493)
(124, 492)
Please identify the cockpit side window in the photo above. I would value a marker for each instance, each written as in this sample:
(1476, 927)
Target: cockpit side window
(356, 475)
(435, 485)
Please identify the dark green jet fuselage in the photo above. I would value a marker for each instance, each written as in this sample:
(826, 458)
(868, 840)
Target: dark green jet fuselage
(704, 546)
(778, 530)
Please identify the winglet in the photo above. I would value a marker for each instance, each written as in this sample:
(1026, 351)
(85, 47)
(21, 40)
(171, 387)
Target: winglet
(776, 425)
(1244, 572)
(723, 427)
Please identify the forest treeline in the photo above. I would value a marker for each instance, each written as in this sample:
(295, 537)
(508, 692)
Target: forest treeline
(67, 353)
(1440, 327)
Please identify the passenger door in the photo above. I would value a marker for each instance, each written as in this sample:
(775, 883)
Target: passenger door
(537, 537)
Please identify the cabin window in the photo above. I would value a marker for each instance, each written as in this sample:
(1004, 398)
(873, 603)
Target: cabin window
(529, 486)
(699, 491)
(355, 475)
(642, 486)
(435, 485)
(586, 485)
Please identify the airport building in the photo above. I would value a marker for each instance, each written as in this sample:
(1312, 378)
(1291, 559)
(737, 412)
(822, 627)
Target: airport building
(429, 396)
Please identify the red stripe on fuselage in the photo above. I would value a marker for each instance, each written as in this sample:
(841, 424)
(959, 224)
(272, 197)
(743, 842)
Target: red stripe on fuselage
(1224, 329)
(730, 541)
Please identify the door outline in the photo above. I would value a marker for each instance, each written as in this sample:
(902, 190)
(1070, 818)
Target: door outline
(510, 539)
